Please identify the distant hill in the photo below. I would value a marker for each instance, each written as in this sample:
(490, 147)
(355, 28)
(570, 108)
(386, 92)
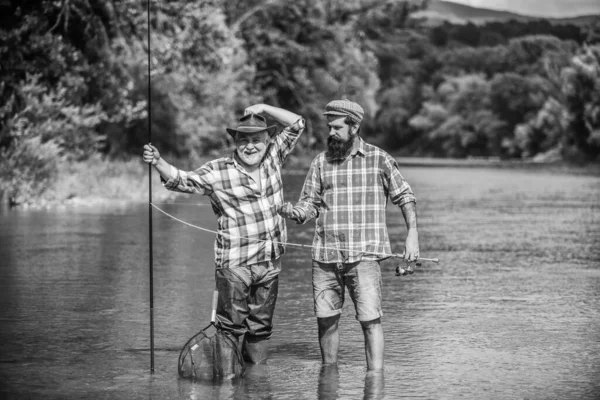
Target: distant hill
(441, 11)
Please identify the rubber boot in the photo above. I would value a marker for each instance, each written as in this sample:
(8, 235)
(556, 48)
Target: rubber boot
(256, 351)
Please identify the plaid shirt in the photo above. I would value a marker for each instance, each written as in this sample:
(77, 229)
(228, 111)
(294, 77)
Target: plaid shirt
(243, 211)
(349, 198)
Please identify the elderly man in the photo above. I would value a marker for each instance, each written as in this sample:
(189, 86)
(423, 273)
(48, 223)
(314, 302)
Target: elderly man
(347, 189)
(245, 191)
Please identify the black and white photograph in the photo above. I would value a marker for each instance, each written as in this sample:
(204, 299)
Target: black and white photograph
(300, 199)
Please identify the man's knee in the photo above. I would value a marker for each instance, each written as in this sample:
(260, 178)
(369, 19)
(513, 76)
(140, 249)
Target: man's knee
(372, 324)
(328, 322)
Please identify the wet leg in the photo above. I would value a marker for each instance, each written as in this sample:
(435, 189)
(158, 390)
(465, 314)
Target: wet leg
(329, 338)
(373, 332)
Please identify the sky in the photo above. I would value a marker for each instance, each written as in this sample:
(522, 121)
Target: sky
(539, 8)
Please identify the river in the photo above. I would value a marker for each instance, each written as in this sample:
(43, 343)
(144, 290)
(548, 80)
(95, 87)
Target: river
(512, 311)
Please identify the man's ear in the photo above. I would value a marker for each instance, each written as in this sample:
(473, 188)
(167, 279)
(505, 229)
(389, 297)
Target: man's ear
(354, 129)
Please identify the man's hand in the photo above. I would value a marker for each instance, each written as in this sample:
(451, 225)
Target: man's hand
(151, 154)
(291, 212)
(255, 109)
(411, 246)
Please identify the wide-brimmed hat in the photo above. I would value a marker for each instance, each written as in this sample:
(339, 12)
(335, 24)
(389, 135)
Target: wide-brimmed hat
(252, 123)
(345, 108)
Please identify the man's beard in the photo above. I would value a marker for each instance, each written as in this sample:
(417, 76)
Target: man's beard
(337, 149)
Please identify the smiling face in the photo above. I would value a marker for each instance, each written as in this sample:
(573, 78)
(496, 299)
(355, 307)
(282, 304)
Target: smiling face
(251, 147)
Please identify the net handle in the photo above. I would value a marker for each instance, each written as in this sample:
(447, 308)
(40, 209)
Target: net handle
(214, 306)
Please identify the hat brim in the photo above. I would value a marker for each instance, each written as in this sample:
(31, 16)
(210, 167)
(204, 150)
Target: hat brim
(336, 113)
(270, 130)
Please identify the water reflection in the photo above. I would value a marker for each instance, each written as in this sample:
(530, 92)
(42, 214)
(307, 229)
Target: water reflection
(374, 386)
(329, 383)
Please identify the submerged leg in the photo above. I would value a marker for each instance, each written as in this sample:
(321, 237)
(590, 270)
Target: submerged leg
(256, 350)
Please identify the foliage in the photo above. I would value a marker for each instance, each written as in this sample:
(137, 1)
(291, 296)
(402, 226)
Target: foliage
(303, 59)
(581, 90)
(27, 167)
(74, 80)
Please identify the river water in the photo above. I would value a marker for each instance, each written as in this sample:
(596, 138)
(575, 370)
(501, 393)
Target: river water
(512, 311)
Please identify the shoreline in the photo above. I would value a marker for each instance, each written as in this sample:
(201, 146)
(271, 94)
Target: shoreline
(294, 166)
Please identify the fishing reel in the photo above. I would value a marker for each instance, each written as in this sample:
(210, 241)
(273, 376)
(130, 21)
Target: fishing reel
(407, 269)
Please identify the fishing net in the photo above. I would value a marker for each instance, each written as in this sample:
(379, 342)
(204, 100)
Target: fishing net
(211, 354)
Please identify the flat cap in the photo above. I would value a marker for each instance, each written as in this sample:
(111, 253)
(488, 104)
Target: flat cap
(345, 108)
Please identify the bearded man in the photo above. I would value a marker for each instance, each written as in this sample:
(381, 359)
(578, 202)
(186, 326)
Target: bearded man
(246, 193)
(347, 189)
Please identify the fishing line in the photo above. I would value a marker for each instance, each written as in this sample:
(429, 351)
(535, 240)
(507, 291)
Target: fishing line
(394, 255)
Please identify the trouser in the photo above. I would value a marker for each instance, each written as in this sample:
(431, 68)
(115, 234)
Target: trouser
(247, 297)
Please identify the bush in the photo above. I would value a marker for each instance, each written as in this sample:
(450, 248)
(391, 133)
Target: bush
(27, 168)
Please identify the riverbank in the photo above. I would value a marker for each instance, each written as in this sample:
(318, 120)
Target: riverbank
(100, 182)
(475, 162)
(93, 183)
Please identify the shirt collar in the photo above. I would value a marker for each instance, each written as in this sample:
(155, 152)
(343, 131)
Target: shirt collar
(231, 159)
(358, 147)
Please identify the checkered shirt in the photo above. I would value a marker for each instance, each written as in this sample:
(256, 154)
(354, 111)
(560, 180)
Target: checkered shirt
(348, 197)
(244, 212)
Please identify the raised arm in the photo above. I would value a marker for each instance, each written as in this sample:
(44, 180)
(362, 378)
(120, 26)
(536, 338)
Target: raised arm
(284, 117)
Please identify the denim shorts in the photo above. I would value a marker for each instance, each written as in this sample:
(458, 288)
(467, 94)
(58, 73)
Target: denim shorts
(247, 297)
(363, 280)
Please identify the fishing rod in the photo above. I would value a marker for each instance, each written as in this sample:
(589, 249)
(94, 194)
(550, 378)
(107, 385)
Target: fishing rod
(150, 258)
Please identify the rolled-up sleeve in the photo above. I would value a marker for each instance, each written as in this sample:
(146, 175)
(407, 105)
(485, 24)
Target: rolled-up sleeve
(310, 197)
(399, 190)
(288, 138)
(198, 181)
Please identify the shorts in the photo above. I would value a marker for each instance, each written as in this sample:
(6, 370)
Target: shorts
(363, 280)
(247, 297)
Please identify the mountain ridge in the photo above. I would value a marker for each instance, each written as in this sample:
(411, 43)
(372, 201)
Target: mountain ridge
(440, 11)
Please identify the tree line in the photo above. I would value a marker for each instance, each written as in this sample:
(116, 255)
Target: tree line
(74, 79)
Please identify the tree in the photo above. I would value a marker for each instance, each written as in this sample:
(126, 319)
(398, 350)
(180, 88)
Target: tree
(582, 95)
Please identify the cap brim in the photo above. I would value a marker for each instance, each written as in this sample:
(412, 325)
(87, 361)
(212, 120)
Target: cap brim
(339, 113)
(270, 130)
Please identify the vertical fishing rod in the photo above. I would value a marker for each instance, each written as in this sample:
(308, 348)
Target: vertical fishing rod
(150, 263)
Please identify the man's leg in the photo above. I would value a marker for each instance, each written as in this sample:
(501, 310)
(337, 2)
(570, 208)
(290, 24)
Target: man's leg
(364, 286)
(374, 342)
(261, 303)
(329, 338)
(328, 295)
(232, 309)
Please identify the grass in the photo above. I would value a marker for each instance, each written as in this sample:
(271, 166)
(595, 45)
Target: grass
(99, 181)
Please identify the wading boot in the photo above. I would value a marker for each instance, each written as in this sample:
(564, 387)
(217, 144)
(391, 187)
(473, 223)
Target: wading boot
(255, 351)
